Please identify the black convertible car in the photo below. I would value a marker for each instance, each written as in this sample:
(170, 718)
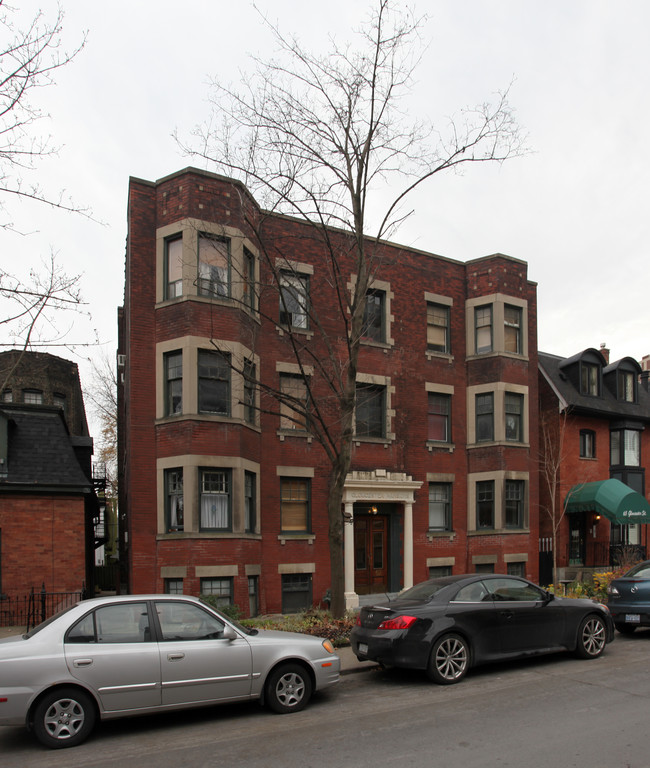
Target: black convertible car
(447, 625)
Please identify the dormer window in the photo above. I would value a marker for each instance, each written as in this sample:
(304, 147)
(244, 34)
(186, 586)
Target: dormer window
(626, 386)
(589, 379)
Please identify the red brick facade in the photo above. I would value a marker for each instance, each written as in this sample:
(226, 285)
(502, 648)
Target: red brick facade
(587, 541)
(388, 489)
(43, 543)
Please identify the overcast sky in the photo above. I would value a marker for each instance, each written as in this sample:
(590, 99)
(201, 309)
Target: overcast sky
(574, 209)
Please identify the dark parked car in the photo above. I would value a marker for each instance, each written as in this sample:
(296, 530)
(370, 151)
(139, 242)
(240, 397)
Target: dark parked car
(137, 654)
(448, 625)
(628, 598)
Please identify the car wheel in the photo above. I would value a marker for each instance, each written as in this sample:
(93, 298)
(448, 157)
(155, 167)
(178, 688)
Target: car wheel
(288, 688)
(64, 718)
(626, 629)
(449, 660)
(592, 637)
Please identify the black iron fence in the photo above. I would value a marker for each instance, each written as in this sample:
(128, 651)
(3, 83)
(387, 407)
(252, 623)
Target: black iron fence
(29, 610)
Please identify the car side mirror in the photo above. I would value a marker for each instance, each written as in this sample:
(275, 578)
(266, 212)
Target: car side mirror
(229, 633)
(549, 597)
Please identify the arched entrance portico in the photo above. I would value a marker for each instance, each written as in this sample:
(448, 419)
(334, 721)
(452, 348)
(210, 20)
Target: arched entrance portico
(393, 494)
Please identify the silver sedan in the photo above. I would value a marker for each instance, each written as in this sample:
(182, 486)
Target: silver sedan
(118, 656)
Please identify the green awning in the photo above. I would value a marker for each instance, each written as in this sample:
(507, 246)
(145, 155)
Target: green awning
(611, 498)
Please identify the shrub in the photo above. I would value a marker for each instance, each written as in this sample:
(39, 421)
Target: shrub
(315, 622)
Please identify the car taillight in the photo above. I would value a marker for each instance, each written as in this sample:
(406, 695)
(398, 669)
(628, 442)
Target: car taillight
(399, 622)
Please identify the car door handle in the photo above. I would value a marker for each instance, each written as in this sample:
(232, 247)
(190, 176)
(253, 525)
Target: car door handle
(82, 662)
(507, 614)
(175, 656)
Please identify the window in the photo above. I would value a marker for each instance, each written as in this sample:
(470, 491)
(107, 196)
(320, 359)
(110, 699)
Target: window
(438, 328)
(439, 506)
(173, 362)
(59, 400)
(249, 297)
(587, 444)
(483, 329)
(484, 417)
(250, 377)
(220, 589)
(174, 500)
(625, 448)
(484, 568)
(514, 503)
(514, 409)
(294, 402)
(7, 396)
(173, 286)
(33, 396)
(370, 411)
(438, 417)
(181, 621)
(514, 590)
(250, 501)
(437, 571)
(626, 381)
(173, 586)
(253, 596)
(373, 317)
(215, 500)
(517, 569)
(214, 266)
(294, 300)
(485, 504)
(296, 592)
(214, 382)
(119, 623)
(512, 329)
(294, 505)
(589, 376)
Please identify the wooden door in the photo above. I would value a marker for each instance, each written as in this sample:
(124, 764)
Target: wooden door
(370, 554)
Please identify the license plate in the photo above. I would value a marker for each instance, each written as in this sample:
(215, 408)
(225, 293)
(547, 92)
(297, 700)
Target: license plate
(633, 618)
(363, 648)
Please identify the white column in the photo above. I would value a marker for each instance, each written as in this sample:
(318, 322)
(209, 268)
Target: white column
(408, 544)
(351, 597)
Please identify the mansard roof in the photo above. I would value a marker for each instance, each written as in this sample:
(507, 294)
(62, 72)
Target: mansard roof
(38, 452)
(563, 376)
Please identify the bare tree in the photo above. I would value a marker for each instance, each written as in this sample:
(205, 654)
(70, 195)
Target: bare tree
(101, 393)
(39, 311)
(29, 59)
(322, 137)
(553, 431)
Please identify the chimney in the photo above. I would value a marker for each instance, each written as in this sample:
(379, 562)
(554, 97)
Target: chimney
(604, 352)
(644, 379)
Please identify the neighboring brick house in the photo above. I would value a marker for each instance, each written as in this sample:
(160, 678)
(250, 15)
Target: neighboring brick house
(39, 378)
(602, 411)
(223, 498)
(48, 500)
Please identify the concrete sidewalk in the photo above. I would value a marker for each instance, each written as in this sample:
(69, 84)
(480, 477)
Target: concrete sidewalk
(350, 663)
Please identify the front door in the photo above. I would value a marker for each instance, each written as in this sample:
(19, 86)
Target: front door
(577, 527)
(370, 554)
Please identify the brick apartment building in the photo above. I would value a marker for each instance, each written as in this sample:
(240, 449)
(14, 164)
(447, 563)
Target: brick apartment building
(597, 413)
(223, 496)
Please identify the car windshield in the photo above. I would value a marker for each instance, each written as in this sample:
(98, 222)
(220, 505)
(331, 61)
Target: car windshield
(640, 571)
(424, 591)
